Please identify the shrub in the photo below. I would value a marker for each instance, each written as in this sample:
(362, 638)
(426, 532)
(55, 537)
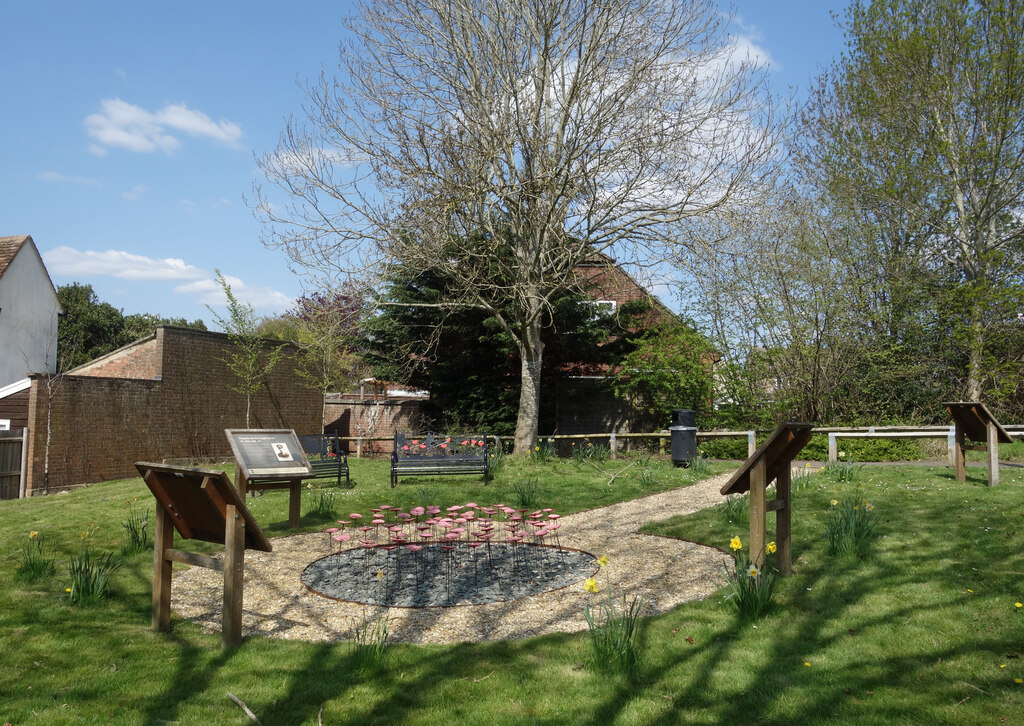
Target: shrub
(849, 525)
(751, 586)
(135, 529)
(612, 628)
(89, 573)
(731, 448)
(35, 563)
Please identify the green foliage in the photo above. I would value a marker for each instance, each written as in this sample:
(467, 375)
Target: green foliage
(136, 532)
(320, 502)
(750, 587)
(89, 573)
(368, 646)
(250, 357)
(90, 328)
(527, 493)
(612, 628)
(670, 368)
(469, 362)
(735, 509)
(699, 466)
(543, 451)
(731, 448)
(34, 562)
(842, 470)
(851, 520)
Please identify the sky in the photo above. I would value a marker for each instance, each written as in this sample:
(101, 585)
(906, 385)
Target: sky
(130, 131)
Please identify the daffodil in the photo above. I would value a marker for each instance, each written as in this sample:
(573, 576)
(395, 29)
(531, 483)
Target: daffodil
(835, 502)
(868, 507)
(753, 571)
(735, 543)
(33, 534)
(807, 664)
(590, 585)
(1018, 605)
(770, 548)
(1018, 680)
(602, 560)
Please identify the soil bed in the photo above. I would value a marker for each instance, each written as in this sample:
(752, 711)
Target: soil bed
(437, 576)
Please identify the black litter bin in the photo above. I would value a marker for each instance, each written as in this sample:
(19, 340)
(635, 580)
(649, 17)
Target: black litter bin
(684, 436)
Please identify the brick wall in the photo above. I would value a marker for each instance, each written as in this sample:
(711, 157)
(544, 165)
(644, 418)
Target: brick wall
(100, 426)
(140, 360)
(348, 415)
(14, 408)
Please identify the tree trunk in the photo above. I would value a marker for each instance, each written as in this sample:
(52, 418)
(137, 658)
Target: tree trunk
(531, 351)
(976, 346)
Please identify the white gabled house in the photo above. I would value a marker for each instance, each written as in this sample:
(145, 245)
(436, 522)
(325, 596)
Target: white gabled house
(28, 312)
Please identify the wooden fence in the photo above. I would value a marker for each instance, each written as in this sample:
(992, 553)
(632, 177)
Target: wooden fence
(12, 454)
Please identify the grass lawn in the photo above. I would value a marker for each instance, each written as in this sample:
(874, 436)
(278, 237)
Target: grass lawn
(915, 632)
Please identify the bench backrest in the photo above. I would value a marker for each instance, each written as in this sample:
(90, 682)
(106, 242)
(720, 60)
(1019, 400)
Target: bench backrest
(321, 446)
(440, 447)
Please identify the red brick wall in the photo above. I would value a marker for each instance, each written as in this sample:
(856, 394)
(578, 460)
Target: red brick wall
(349, 416)
(139, 360)
(101, 426)
(14, 408)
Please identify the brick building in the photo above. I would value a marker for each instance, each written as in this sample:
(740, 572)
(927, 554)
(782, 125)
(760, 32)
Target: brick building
(167, 395)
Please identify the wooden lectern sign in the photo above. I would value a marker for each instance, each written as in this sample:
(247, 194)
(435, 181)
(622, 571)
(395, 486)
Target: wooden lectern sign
(200, 504)
(771, 462)
(972, 420)
(270, 459)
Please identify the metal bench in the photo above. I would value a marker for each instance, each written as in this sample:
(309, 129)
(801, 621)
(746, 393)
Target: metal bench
(437, 455)
(326, 457)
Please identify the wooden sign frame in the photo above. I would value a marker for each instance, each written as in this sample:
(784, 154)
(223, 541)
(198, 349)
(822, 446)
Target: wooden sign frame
(257, 470)
(772, 461)
(200, 504)
(972, 420)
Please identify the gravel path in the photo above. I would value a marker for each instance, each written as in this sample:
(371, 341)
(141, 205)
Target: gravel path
(663, 572)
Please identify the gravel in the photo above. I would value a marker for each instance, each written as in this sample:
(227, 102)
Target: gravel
(444, 576)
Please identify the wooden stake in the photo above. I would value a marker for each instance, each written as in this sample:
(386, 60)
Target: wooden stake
(163, 540)
(758, 484)
(961, 466)
(783, 521)
(234, 568)
(993, 453)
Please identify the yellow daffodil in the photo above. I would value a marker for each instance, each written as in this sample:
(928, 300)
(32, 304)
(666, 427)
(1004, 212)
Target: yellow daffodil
(807, 664)
(33, 534)
(1018, 605)
(1018, 680)
(735, 543)
(602, 560)
(770, 548)
(835, 502)
(1002, 665)
(590, 585)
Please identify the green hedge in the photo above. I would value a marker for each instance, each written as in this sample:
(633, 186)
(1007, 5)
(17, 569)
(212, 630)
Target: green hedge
(817, 449)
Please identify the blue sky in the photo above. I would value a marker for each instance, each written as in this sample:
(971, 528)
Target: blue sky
(129, 129)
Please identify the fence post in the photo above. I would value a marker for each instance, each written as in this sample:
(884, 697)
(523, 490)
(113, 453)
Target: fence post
(23, 479)
(833, 448)
(497, 444)
(951, 444)
(359, 447)
(751, 443)
(611, 444)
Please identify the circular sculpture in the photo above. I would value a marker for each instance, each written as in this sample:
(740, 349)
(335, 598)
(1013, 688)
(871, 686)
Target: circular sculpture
(444, 575)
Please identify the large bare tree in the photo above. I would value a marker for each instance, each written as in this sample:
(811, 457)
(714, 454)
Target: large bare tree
(501, 143)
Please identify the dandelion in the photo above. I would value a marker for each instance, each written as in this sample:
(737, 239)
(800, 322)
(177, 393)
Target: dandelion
(770, 548)
(807, 664)
(1018, 605)
(735, 543)
(753, 571)
(602, 560)
(590, 585)
(67, 589)
(1002, 665)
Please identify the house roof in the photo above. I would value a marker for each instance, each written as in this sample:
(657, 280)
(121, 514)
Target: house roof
(9, 247)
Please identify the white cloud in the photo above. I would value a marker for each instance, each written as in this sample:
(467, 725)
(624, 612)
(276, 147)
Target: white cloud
(54, 176)
(136, 191)
(126, 126)
(118, 263)
(211, 293)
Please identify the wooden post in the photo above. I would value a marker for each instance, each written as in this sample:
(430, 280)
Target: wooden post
(961, 467)
(234, 556)
(758, 485)
(951, 445)
(611, 445)
(783, 521)
(833, 448)
(993, 453)
(751, 443)
(240, 483)
(295, 503)
(163, 540)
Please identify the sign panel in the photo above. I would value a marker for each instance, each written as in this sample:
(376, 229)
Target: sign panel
(268, 453)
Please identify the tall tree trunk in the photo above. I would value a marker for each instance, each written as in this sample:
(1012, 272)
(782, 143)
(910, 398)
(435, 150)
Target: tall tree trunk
(531, 352)
(976, 345)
